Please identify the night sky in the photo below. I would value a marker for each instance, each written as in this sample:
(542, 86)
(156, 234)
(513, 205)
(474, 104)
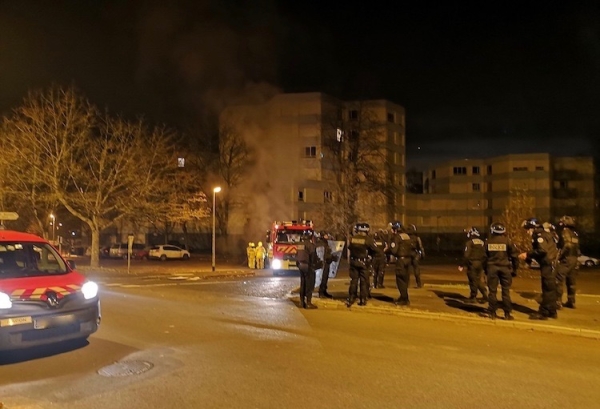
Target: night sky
(477, 79)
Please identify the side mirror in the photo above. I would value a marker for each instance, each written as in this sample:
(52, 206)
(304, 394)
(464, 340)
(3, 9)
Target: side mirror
(72, 264)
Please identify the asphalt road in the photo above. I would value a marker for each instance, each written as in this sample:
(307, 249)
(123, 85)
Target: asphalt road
(241, 343)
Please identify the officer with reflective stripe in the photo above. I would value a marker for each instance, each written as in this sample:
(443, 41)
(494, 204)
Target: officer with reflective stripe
(502, 261)
(400, 249)
(545, 253)
(362, 247)
(474, 261)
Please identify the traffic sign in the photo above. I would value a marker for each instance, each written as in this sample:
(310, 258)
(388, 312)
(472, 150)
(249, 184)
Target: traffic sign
(9, 216)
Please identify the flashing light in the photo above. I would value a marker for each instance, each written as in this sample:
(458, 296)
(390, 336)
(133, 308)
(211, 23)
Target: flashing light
(276, 264)
(5, 302)
(89, 290)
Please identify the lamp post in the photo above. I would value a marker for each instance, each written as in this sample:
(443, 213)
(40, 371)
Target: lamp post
(52, 223)
(215, 191)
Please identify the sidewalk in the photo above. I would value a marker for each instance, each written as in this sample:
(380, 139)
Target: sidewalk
(444, 294)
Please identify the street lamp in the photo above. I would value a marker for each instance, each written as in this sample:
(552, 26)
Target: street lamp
(52, 223)
(215, 191)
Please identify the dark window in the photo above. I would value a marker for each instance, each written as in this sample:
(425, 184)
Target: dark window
(353, 114)
(564, 184)
(310, 151)
(476, 170)
(489, 169)
(460, 170)
(391, 117)
(520, 169)
(539, 168)
(476, 187)
(300, 196)
(489, 187)
(327, 196)
(433, 174)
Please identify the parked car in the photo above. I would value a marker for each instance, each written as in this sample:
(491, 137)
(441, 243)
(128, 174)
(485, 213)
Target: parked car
(583, 261)
(120, 250)
(166, 251)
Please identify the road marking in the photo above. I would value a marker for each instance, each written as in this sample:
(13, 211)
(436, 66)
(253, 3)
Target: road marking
(119, 285)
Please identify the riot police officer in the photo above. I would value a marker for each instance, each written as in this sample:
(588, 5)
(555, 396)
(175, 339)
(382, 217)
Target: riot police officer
(362, 247)
(400, 249)
(306, 260)
(474, 261)
(417, 253)
(545, 253)
(380, 259)
(502, 262)
(566, 270)
(328, 258)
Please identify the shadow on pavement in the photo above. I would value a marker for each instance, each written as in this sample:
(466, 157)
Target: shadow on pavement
(455, 300)
(530, 295)
(523, 309)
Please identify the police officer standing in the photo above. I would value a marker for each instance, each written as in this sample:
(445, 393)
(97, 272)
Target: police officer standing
(566, 270)
(328, 258)
(306, 260)
(502, 262)
(361, 247)
(474, 261)
(379, 259)
(543, 251)
(417, 253)
(400, 249)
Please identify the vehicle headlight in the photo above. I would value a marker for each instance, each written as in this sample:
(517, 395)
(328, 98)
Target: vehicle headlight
(276, 264)
(5, 302)
(89, 290)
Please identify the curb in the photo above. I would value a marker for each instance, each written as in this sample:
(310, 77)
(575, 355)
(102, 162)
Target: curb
(413, 313)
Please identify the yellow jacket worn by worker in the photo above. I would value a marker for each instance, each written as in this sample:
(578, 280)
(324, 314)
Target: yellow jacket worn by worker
(261, 253)
(251, 253)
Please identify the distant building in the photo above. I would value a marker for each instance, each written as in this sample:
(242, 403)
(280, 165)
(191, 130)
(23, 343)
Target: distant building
(474, 192)
(294, 170)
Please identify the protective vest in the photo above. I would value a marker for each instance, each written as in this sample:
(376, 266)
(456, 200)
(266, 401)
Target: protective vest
(500, 251)
(306, 252)
(416, 244)
(381, 244)
(568, 243)
(400, 245)
(544, 249)
(475, 249)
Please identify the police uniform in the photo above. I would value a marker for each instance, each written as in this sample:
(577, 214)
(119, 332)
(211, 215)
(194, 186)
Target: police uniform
(417, 253)
(361, 247)
(379, 260)
(566, 270)
(474, 261)
(327, 260)
(545, 253)
(306, 260)
(502, 262)
(400, 249)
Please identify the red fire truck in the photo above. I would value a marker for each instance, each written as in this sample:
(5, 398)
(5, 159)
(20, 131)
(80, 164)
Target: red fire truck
(282, 241)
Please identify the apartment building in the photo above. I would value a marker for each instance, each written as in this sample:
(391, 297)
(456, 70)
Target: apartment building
(295, 172)
(475, 192)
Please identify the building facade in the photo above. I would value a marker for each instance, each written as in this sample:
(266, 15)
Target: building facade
(301, 145)
(475, 192)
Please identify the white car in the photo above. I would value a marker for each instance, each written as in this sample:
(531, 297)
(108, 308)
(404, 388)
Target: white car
(167, 251)
(583, 261)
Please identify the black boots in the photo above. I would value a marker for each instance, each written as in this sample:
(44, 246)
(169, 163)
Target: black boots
(569, 304)
(508, 316)
(310, 306)
(325, 294)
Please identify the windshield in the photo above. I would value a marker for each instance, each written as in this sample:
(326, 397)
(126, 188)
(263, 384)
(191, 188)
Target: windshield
(288, 236)
(19, 259)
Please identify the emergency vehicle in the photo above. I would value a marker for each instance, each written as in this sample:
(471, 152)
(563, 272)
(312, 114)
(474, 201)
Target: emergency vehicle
(43, 299)
(282, 244)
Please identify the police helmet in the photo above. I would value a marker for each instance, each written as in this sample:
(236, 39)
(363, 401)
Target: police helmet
(530, 223)
(473, 232)
(307, 235)
(549, 227)
(396, 226)
(412, 227)
(362, 227)
(497, 228)
(567, 221)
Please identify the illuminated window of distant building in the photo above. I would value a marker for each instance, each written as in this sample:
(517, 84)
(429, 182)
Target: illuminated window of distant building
(327, 196)
(539, 168)
(300, 196)
(396, 138)
(460, 170)
(391, 117)
(476, 170)
(310, 151)
(520, 169)
(353, 114)
(476, 187)
(433, 174)
(489, 169)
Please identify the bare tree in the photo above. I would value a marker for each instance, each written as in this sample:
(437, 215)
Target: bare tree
(101, 169)
(520, 206)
